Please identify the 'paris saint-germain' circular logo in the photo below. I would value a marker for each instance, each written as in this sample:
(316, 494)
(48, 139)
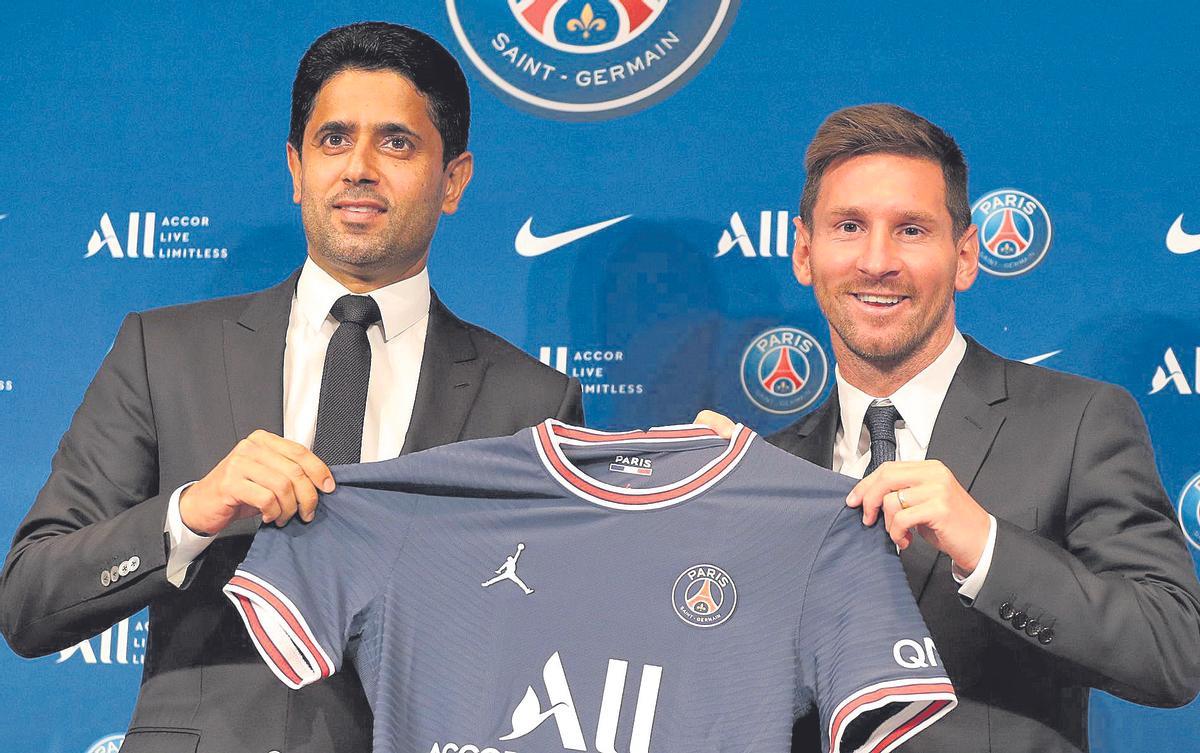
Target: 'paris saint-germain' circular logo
(1189, 511)
(589, 59)
(108, 744)
(1014, 232)
(704, 596)
(784, 370)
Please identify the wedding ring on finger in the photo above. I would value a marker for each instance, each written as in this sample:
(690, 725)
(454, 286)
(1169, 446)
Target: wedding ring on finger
(900, 499)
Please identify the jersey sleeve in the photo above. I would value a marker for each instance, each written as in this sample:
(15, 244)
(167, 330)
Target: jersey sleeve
(870, 665)
(305, 590)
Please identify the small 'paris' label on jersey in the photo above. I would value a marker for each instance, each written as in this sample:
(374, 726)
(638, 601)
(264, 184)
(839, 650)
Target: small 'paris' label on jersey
(631, 464)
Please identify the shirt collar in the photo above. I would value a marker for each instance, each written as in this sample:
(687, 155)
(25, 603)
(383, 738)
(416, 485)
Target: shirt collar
(401, 304)
(918, 400)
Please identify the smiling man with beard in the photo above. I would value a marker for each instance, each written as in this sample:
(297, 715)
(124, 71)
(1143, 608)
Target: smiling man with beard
(1033, 528)
(351, 358)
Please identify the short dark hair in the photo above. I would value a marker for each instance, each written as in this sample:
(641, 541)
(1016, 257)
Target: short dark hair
(377, 46)
(885, 129)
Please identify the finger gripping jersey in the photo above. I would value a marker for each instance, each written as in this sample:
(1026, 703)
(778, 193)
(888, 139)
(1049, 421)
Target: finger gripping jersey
(565, 589)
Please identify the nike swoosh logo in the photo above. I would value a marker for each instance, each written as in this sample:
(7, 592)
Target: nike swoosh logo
(1042, 357)
(529, 245)
(1180, 242)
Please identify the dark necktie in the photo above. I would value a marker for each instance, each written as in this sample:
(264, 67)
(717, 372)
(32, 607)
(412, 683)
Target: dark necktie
(881, 423)
(343, 401)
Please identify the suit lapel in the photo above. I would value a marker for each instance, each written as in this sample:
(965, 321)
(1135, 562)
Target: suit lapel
(253, 351)
(254, 359)
(451, 373)
(963, 434)
(816, 432)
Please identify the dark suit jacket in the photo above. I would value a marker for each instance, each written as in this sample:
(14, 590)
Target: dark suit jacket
(180, 387)
(1086, 545)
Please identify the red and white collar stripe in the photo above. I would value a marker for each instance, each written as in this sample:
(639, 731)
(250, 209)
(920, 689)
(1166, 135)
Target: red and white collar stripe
(551, 435)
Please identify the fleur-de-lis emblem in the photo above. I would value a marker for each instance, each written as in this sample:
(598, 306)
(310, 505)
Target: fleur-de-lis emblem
(587, 22)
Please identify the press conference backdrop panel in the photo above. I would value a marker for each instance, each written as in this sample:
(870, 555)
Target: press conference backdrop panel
(144, 166)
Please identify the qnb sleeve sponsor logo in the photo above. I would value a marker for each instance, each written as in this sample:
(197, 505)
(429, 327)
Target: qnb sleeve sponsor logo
(1189, 510)
(1170, 373)
(123, 643)
(773, 240)
(589, 59)
(1180, 241)
(529, 713)
(147, 237)
(1014, 232)
(912, 654)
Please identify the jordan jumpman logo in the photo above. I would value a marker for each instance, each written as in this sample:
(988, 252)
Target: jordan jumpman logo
(508, 571)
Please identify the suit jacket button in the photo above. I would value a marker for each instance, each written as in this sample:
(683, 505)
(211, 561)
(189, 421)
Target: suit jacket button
(105, 578)
(1006, 611)
(1045, 636)
(114, 572)
(1032, 628)
(1019, 620)
(134, 563)
(123, 568)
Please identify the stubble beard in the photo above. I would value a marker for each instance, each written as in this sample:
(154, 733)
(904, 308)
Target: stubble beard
(394, 246)
(893, 348)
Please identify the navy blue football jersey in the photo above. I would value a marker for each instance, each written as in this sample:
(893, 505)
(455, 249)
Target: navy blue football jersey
(566, 589)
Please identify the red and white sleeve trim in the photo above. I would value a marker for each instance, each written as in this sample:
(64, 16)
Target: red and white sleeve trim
(279, 631)
(923, 701)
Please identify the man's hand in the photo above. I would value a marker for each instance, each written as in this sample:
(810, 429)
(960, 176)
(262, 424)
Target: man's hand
(925, 495)
(264, 473)
(715, 421)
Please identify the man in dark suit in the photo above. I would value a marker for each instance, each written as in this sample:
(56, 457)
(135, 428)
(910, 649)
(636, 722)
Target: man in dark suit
(352, 356)
(1035, 533)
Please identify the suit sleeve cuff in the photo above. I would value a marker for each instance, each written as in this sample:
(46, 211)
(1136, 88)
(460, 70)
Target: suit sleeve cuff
(970, 585)
(183, 544)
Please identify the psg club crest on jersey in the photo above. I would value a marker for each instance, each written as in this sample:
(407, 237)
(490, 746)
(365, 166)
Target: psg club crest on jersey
(784, 370)
(704, 596)
(1014, 232)
(589, 59)
(1189, 511)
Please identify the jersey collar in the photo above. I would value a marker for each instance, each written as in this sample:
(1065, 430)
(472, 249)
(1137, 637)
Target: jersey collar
(550, 436)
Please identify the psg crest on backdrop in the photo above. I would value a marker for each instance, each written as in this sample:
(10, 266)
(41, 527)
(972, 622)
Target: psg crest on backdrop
(589, 59)
(784, 370)
(1014, 232)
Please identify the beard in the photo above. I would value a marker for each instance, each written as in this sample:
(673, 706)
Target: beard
(402, 241)
(892, 346)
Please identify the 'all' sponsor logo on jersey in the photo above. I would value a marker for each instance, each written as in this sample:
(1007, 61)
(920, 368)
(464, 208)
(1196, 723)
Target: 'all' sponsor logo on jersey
(784, 370)
(1014, 232)
(559, 711)
(589, 59)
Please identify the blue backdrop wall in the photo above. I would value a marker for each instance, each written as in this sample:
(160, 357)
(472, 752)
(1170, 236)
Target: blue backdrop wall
(160, 130)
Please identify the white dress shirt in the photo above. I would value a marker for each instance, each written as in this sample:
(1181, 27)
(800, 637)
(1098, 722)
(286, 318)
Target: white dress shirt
(919, 400)
(397, 345)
